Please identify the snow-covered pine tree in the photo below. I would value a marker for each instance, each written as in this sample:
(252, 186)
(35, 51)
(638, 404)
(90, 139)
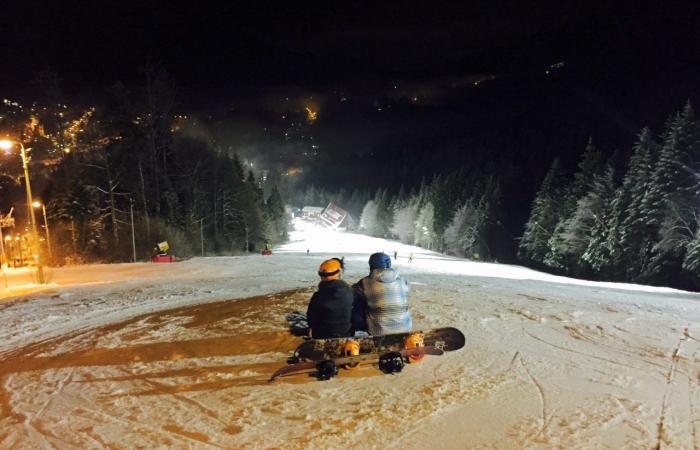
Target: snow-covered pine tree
(465, 235)
(678, 230)
(673, 194)
(243, 223)
(384, 213)
(691, 262)
(591, 163)
(405, 216)
(565, 246)
(446, 194)
(357, 201)
(424, 232)
(368, 218)
(597, 205)
(557, 248)
(543, 215)
(276, 216)
(628, 235)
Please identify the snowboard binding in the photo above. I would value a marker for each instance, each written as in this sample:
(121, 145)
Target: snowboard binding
(391, 362)
(326, 370)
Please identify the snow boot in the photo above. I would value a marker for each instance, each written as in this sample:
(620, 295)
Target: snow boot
(326, 369)
(391, 362)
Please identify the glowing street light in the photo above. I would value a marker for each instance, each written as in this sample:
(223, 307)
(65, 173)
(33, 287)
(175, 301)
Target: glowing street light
(7, 145)
(46, 227)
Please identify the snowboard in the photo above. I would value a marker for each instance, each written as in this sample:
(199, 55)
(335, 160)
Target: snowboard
(328, 368)
(446, 339)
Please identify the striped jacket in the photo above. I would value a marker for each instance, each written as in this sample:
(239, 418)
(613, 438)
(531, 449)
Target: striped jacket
(386, 306)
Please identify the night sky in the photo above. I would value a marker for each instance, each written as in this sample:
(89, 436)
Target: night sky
(218, 51)
(524, 80)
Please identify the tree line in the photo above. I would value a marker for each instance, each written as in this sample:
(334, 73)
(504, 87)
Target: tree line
(633, 220)
(644, 228)
(458, 213)
(92, 166)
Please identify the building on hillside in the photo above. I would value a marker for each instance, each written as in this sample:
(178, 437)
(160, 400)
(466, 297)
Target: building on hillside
(335, 217)
(311, 212)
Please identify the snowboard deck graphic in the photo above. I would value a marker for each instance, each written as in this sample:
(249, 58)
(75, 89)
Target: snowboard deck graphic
(362, 359)
(446, 339)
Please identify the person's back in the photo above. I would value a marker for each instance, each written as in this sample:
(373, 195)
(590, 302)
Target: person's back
(384, 292)
(330, 310)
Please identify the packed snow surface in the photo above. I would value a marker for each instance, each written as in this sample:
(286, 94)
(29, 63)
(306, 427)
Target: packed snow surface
(178, 355)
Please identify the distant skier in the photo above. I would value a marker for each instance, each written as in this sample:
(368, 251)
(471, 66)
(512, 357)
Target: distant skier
(330, 309)
(382, 295)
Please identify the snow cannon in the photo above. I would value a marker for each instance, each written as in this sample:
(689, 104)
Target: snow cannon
(162, 256)
(267, 251)
(163, 259)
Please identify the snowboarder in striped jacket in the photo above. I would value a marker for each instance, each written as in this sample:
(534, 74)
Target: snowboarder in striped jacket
(382, 295)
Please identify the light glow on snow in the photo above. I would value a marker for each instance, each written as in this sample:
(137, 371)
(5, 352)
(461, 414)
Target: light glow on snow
(318, 239)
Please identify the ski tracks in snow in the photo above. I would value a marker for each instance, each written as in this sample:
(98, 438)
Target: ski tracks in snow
(543, 399)
(679, 420)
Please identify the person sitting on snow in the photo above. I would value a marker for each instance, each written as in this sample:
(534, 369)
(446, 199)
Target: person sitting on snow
(382, 295)
(329, 314)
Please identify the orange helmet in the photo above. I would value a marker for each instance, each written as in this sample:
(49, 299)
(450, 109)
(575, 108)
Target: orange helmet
(330, 269)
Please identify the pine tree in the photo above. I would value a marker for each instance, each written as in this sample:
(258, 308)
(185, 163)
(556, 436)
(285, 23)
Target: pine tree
(383, 215)
(629, 235)
(566, 243)
(691, 262)
(425, 235)
(465, 235)
(595, 218)
(368, 218)
(591, 163)
(403, 226)
(276, 215)
(672, 195)
(243, 222)
(544, 216)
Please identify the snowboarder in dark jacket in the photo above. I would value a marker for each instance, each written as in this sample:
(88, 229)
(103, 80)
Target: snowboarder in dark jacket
(330, 310)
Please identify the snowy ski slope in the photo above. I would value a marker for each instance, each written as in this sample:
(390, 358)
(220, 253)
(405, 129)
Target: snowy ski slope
(177, 356)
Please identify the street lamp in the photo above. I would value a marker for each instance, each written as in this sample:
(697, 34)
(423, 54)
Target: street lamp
(7, 145)
(46, 227)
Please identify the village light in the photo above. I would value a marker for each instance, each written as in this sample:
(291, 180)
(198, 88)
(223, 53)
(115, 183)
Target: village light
(46, 228)
(7, 145)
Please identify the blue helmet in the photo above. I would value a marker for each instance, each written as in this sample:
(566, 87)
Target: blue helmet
(379, 261)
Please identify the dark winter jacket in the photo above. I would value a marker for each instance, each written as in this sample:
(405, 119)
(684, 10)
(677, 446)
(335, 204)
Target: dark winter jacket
(383, 293)
(330, 310)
